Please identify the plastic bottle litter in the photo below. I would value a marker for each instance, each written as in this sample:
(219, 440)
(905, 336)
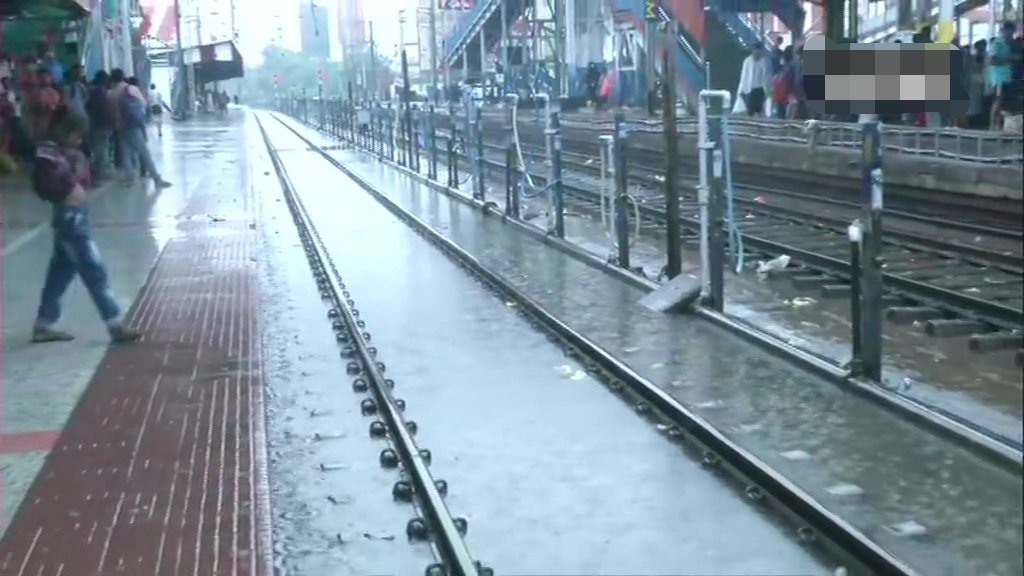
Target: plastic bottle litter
(764, 269)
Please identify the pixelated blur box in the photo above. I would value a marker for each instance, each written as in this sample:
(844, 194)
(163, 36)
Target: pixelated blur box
(884, 79)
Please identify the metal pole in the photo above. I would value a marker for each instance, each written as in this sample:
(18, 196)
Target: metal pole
(320, 102)
(716, 220)
(872, 200)
(674, 264)
(622, 191)
(855, 234)
(504, 47)
(373, 65)
(511, 166)
(479, 163)
(561, 72)
(433, 51)
(181, 71)
(406, 97)
(556, 175)
(433, 144)
(510, 154)
(126, 38)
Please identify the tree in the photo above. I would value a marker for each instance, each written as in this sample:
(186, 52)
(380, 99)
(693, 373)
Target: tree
(297, 72)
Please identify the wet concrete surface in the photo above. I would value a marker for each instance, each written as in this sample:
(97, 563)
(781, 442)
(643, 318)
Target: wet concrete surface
(981, 388)
(538, 456)
(930, 502)
(313, 420)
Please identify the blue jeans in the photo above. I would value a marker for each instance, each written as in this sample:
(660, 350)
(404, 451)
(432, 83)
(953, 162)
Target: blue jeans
(136, 150)
(74, 252)
(100, 147)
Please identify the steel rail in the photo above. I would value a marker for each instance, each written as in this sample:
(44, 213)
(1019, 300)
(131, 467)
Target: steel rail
(450, 544)
(841, 536)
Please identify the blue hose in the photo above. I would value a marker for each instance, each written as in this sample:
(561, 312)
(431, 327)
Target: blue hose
(526, 191)
(735, 238)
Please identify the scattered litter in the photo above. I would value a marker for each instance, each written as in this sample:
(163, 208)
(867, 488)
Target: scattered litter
(764, 269)
(511, 304)
(801, 301)
(631, 349)
(331, 467)
(657, 366)
(339, 501)
(845, 490)
(908, 528)
(710, 404)
(388, 537)
(795, 455)
(760, 199)
(570, 373)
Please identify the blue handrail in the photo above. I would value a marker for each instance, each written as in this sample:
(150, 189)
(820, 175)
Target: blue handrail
(470, 25)
(689, 66)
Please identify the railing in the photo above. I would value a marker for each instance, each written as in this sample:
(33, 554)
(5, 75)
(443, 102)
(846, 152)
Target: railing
(469, 24)
(745, 33)
(974, 146)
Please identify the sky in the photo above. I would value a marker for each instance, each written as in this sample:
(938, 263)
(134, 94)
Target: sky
(257, 28)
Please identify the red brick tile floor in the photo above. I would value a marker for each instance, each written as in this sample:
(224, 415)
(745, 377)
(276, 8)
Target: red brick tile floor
(159, 469)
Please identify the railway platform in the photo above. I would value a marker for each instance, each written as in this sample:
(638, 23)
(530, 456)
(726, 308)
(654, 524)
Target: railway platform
(234, 439)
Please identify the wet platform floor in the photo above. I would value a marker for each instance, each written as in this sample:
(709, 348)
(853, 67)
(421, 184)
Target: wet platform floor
(932, 503)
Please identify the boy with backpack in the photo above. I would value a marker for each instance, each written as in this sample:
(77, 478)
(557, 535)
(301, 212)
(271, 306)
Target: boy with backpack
(59, 176)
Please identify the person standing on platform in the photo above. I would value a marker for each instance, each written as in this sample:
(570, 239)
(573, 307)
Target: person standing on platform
(130, 114)
(75, 92)
(156, 109)
(755, 80)
(101, 126)
(59, 176)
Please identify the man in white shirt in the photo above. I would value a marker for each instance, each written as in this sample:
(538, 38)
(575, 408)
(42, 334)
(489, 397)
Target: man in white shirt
(156, 109)
(755, 80)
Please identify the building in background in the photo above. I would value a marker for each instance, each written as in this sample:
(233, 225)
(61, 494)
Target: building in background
(316, 40)
(351, 26)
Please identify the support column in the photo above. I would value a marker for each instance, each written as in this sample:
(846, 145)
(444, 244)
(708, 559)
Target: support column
(483, 52)
(558, 13)
(947, 22)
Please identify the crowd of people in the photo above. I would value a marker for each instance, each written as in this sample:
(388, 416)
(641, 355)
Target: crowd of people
(771, 83)
(71, 135)
(115, 109)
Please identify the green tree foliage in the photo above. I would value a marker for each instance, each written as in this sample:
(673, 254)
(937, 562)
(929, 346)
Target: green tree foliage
(298, 72)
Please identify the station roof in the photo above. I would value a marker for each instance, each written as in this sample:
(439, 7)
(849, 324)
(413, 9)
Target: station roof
(45, 9)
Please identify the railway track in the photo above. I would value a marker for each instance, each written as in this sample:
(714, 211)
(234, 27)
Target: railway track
(953, 288)
(832, 537)
(985, 215)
